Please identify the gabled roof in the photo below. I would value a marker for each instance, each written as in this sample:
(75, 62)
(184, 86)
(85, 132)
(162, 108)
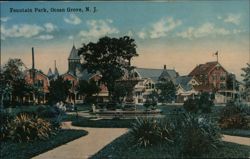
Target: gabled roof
(183, 81)
(74, 54)
(68, 73)
(149, 73)
(168, 74)
(85, 75)
(154, 74)
(50, 73)
(203, 69)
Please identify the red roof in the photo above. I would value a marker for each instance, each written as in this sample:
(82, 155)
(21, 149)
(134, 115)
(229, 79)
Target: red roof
(203, 69)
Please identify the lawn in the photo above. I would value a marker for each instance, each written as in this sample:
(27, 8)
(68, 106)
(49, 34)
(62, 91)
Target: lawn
(11, 150)
(236, 132)
(101, 123)
(124, 148)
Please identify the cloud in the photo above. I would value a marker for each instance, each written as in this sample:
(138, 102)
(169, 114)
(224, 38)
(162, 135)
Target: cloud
(28, 31)
(50, 27)
(162, 27)
(130, 33)
(159, 29)
(22, 30)
(45, 37)
(5, 19)
(98, 28)
(203, 30)
(233, 18)
(70, 37)
(142, 34)
(73, 19)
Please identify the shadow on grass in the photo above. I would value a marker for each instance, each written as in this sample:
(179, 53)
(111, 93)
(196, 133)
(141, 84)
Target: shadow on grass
(12, 150)
(123, 147)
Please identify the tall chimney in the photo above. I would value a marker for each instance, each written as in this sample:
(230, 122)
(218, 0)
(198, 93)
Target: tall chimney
(165, 67)
(33, 59)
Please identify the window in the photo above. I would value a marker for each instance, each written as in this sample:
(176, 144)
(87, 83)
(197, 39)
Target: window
(222, 86)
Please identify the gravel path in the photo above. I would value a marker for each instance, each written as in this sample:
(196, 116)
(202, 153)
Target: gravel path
(85, 146)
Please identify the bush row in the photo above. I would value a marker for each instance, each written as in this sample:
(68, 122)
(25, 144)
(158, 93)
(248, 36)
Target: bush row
(25, 127)
(194, 134)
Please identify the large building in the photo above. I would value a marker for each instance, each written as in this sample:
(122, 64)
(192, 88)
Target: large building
(211, 76)
(76, 73)
(38, 79)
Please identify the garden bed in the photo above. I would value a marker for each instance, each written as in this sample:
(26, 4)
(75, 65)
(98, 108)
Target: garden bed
(124, 148)
(11, 150)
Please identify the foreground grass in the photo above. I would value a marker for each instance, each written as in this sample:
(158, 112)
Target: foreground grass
(11, 150)
(124, 148)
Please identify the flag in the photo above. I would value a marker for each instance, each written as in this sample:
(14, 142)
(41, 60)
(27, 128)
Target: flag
(216, 54)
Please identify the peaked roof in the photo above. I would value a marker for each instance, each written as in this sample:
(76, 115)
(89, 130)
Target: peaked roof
(50, 73)
(203, 69)
(168, 74)
(74, 54)
(154, 74)
(183, 82)
(56, 72)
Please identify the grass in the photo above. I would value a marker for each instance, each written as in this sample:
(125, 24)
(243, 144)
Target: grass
(13, 150)
(124, 148)
(102, 123)
(236, 132)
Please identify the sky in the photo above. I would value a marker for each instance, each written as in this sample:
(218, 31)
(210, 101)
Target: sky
(178, 34)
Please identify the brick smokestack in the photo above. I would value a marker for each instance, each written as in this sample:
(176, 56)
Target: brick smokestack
(33, 59)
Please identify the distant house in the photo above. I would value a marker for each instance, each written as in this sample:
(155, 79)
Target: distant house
(211, 76)
(76, 73)
(148, 79)
(185, 88)
(41, 82)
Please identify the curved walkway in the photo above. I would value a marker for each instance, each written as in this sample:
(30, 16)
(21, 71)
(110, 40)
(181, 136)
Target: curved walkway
(237, 139)
(98, 138)
(85, 146)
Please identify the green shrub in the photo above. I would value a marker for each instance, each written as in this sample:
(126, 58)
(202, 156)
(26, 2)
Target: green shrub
(26, 128)
(167, 130)
(191, 105)
(203, 104)
(197, 134)
(145, 132)
(234, 116)
(149, 131)
(4, 125)
(48, 111)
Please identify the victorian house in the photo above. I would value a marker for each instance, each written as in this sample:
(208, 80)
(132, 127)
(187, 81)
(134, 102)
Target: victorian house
(76, 73)
(40, 82)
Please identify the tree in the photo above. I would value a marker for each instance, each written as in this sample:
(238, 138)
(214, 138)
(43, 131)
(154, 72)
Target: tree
(13, 77)
(246, 80)
(110, 57)
(231, 82)
(88, 88)
(58, 90)
(167, 91)
(121, 90)
(203, 104)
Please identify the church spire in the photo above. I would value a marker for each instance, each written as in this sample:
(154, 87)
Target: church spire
(56, 73)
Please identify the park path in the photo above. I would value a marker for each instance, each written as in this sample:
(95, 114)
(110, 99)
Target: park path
(86, 146)
(237, 139)
(97, 138)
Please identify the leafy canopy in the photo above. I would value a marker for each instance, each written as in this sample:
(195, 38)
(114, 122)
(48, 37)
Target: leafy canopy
(110, 57)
